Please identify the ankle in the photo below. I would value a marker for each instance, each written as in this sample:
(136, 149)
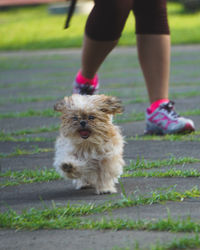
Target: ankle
(80, 79)
(155, 105)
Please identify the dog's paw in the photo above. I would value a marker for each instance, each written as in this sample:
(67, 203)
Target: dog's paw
(86, 186)
(67, 167)
(80, 184)
(70, 171)
(106, 190)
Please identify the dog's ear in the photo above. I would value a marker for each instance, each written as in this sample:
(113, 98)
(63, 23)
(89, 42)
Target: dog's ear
(60, 106)
(111, 105)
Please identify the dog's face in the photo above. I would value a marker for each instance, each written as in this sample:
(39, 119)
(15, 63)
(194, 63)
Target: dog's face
(87, 117)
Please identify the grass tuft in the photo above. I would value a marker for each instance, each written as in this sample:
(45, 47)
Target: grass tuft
(19, 151)
(68, 217)
(145, 164)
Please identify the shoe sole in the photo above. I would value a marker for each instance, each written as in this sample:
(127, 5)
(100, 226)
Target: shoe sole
(185, 130)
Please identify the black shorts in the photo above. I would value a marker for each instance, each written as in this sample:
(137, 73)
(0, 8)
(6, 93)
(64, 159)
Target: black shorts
(108, 17)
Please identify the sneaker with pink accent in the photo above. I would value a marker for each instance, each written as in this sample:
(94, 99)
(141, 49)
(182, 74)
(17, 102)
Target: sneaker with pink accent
(85, 86)
(84, 89)
(164, 120)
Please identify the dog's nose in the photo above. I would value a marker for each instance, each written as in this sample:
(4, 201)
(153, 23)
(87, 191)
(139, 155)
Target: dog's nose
(83, 123)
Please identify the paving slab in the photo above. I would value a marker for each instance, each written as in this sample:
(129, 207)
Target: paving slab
(46, 136)
(14, 124)
(42, 105)
(8, 147)
(82, 240)
(151, 150)
(33, 91)
(62, 192)
(32, 162)
(154, 150)
(62, 90)
(23, 107)
(129, 129)
(189, 208)
(192, 166)
(182, 105)
(19, 163)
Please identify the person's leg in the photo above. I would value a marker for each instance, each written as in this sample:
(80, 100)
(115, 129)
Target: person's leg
(93, 54)
(153, 42)
(154, 57)
(103, 29)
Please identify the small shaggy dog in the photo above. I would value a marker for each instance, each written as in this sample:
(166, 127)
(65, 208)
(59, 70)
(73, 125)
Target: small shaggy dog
(89, 148)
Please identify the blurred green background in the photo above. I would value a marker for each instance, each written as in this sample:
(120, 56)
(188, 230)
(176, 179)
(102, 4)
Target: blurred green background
(33, 28)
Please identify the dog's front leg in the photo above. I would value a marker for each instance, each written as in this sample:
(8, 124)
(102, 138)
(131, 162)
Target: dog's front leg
(109, 171)
(67, 167)
(105, 183)
(70, 170)
(105, 187)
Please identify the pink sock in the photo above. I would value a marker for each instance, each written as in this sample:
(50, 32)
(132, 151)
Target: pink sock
(155, 105)
(83, 80)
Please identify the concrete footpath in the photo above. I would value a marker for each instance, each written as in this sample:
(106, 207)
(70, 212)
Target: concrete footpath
(31, 83)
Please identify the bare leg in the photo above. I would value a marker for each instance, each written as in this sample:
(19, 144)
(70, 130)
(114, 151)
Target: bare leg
(154, 57)
(93, 55)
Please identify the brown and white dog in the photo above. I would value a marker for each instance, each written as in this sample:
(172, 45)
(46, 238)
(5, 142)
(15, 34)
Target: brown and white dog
(89, 148)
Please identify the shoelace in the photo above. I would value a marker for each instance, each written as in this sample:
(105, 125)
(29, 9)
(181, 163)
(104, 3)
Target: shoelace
(86, 89)
(170, 108)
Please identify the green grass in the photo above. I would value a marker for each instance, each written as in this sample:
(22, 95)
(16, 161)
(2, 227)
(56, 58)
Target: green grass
(22, 29)
(27, 99)
(194, 136)
(186, 242)
(30, 113)
(119, 119)
(68, 217)
(18, 151)
(145, 164)
(138, 166)
(167, 173)
(46, 175)
(30, 131)
(23, 135)
(25, 139)
(38, 220)
(184, 94)
(140, 116)
(29, 176)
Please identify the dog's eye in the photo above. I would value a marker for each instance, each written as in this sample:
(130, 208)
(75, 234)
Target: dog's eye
(75, 118)
(91, 117)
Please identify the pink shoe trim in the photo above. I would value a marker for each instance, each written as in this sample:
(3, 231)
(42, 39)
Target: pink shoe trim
(188, 127)
(83, 80)
(155, 105)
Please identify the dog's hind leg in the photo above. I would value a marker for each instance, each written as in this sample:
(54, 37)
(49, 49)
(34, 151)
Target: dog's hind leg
(81, 184)
(105, 185)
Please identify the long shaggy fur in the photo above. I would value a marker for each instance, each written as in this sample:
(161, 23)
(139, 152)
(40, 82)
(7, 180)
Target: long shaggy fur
(89, 148)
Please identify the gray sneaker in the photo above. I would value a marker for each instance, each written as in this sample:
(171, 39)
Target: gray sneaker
(164, 120)
(84, 89)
